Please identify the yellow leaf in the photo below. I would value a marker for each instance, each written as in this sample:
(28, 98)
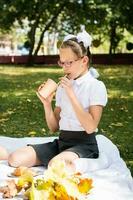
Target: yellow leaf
(85, 185)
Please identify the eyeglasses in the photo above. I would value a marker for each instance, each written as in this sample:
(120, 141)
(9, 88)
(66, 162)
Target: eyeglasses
(68, 63)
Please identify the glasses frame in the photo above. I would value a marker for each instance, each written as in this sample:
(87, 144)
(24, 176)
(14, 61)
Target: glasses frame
(68, 63)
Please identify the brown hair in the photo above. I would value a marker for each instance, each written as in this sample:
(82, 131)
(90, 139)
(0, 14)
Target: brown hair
(77, 47)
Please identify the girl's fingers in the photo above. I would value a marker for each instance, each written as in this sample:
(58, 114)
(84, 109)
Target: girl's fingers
(51, 95)
(41, 86)
(39, 96)
(66, 82)
(48, 99)
(63, 78)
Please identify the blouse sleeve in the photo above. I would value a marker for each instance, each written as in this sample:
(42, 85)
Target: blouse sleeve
(98, 94)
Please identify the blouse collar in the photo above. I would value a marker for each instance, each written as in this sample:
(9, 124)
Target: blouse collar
(86, 76)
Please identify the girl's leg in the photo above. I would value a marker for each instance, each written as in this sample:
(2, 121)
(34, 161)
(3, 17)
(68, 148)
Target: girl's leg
(68, 157)
(3, 153)
(25, 156)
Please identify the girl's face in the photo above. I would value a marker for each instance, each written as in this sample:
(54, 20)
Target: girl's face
(72, 65)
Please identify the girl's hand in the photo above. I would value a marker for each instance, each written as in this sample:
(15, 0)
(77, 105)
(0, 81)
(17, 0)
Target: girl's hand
(66, 84)
(41, 86)
(45, 101)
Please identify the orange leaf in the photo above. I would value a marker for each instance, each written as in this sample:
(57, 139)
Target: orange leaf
(85, 185)
(61, 193)
(78, 174)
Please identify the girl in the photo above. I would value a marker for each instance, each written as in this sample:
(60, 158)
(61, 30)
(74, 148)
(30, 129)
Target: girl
(80, 99)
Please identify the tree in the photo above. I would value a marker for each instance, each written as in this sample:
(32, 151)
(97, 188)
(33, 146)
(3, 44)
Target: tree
(40, 14)
(118, 16)
(104, 19)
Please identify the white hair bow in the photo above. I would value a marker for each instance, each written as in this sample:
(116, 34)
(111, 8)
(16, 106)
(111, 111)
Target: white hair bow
(94, 72)
(81, 37)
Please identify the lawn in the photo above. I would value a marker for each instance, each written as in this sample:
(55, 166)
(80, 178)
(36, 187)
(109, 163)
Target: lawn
(21, 113)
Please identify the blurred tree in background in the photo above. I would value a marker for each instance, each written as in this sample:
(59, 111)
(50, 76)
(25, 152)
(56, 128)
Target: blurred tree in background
(106, 20)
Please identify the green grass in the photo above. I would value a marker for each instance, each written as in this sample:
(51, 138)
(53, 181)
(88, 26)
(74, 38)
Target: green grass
(21, 113)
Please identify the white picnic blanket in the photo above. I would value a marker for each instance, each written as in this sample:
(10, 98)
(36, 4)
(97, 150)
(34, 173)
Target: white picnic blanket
(111, 178)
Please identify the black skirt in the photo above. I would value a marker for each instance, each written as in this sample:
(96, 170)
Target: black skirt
(79, 142)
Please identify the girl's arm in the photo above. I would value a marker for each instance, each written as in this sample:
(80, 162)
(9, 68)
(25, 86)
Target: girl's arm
(89, 120)
(52, 117)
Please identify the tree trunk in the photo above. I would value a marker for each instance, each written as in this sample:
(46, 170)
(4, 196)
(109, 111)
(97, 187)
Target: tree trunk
(47, 27)
(32, 34)
(112, 39)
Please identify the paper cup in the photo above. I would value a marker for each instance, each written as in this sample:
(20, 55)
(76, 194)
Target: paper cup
(49, 87)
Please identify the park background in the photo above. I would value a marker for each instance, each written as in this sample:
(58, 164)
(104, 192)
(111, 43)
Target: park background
(34, 29)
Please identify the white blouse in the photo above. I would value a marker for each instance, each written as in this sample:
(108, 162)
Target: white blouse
(89, 91)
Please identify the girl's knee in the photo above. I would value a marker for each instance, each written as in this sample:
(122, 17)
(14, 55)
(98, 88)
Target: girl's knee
(13, 160)
(68, 159)
(25, 156)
